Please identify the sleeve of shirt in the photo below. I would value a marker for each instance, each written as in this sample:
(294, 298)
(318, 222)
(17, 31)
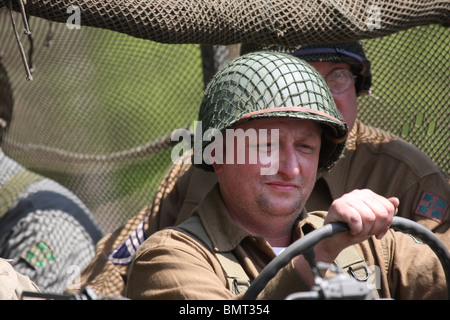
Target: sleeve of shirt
(405, 267)
(285, 282)
(51, 246)
(428, 202)
(416, 271)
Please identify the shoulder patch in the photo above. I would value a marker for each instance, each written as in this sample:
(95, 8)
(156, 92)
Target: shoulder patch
(39, 255)
(432, 207)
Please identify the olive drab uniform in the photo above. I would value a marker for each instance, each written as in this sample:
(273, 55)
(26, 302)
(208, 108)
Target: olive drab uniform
(174, 265)
(184, 186)
(320, 107)
(349, 260)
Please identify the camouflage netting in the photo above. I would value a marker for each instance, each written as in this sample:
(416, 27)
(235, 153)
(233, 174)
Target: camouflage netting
(235, 21)
(100, 111)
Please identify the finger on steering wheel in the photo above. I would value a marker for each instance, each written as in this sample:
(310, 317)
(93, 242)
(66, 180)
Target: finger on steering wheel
(365, 212)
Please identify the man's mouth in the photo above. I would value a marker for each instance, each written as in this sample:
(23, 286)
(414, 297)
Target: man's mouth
(283, 186)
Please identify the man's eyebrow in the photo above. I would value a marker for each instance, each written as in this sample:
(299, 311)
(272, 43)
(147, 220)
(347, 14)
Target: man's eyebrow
(304, 135)
(310, 136)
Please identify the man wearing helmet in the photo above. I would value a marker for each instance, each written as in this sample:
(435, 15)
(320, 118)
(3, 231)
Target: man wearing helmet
(348, 73)
(372, 159)
(249, 215)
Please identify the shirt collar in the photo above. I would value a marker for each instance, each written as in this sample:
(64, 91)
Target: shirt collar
(224, 233)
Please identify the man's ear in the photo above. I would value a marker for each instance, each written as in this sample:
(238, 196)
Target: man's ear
(217, 167)
(214, 154)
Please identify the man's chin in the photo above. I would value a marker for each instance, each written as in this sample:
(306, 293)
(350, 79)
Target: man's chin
(285, 210)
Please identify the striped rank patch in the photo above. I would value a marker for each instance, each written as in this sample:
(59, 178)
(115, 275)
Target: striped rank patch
(432, 207)
(125, 252)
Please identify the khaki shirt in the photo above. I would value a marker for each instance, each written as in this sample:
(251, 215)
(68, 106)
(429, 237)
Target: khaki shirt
(172, 265)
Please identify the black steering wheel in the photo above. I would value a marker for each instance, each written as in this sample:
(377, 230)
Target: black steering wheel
(307, 242)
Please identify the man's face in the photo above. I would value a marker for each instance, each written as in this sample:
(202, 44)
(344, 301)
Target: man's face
(346, 101)
(282, 194)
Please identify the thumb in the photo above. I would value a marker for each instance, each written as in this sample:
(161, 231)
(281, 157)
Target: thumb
(395, 202)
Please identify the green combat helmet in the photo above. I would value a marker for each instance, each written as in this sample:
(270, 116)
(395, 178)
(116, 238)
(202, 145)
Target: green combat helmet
(271, 84)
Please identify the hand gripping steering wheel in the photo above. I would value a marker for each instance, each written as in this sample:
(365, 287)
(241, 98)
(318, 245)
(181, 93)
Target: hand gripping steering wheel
(307, 242)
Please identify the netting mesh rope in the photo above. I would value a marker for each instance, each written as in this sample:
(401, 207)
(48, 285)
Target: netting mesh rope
(238, 21)
(100, 111)
(98, 118)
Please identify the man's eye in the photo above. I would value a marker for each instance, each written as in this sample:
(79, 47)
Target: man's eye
(306, 147)
(338, 74)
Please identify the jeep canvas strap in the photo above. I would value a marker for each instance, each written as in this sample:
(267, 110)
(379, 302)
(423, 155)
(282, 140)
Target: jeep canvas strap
(237, 279)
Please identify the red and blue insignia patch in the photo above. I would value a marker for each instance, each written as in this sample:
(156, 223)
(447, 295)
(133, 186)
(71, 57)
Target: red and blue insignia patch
(432, 207)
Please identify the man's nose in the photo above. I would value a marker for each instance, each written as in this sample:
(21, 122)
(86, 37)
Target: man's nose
(288, 162)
